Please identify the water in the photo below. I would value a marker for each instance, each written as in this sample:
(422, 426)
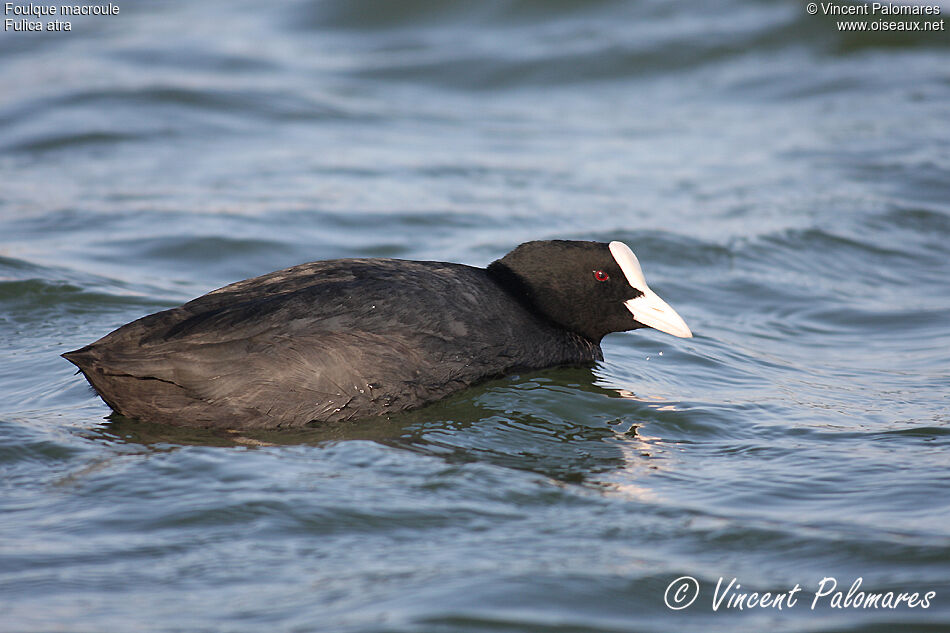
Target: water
(786, 186)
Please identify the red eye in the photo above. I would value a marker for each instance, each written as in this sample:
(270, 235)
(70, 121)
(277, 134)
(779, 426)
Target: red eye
(600, 275)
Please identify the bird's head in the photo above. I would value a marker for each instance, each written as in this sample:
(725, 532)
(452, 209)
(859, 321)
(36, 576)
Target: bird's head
(590, 288)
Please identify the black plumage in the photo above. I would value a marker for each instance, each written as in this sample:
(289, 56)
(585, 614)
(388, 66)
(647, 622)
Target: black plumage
(351, 338)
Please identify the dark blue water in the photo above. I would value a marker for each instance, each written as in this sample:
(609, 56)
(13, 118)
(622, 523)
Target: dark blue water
(786, 186)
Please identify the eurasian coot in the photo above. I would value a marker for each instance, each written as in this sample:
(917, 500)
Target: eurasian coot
(351, 338)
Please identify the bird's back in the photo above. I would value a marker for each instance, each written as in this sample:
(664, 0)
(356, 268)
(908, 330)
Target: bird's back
(324, 341)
